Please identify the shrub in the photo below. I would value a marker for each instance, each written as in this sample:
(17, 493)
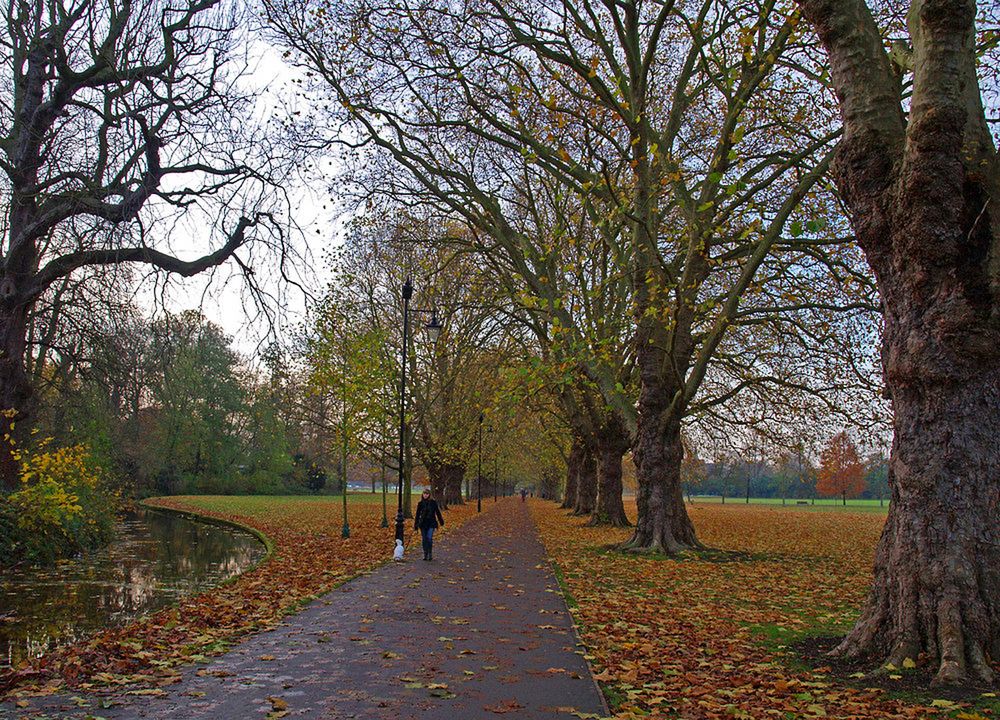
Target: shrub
(62, 506)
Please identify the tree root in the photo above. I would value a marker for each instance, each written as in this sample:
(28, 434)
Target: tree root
(658, 546)
(603, 520)
(962, 660)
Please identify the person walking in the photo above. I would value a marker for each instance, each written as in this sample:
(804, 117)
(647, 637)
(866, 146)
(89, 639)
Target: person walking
(427, 519)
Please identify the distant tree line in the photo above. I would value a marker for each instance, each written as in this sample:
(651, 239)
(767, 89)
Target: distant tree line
(168, 406)
(782, 480)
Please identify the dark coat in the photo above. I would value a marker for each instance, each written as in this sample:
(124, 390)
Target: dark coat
(428, 515)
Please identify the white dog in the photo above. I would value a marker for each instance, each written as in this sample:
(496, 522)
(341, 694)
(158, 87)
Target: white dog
(397, 554)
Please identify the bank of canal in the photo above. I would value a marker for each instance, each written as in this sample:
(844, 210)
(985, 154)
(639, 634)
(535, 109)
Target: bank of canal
(155, 559)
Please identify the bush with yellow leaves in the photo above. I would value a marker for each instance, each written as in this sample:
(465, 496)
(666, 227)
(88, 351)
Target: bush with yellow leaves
(61, 508)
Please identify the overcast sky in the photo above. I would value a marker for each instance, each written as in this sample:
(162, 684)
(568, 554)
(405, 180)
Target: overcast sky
(222, 295)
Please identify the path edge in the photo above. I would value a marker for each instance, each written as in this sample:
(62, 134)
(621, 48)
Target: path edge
(576, 628)
(269, 547)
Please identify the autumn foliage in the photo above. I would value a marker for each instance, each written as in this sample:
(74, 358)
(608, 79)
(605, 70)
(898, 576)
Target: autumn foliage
(309, 558)
(713, 635)
(62, 505)
(841, 472)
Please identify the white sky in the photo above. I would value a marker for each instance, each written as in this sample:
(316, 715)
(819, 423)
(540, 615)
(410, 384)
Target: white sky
(222, 295)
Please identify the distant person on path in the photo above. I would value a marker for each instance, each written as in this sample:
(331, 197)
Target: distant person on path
(524, 494)
(427, 519)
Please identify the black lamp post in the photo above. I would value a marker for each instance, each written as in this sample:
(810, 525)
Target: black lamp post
(479, 472)
(496, 473)
(434, 331)
(345, 531)
(385, 518)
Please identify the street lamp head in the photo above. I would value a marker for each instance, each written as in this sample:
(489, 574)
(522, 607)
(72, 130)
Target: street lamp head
(434, 328)
(407, 289)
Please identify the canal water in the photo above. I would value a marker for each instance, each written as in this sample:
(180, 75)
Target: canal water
(155, 559)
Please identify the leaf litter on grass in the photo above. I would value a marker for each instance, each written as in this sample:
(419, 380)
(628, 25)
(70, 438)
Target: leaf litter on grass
(682, 638)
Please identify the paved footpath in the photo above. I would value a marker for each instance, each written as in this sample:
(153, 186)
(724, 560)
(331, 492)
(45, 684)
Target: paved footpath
(480, 632)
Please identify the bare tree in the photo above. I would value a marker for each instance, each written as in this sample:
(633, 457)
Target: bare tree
(124, 126)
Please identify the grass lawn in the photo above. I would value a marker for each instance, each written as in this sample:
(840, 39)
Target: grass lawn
(713, 635)
(821, 504)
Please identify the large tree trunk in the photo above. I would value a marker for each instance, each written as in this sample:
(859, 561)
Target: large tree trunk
(937, 568)
(435, 473)
(664, 348)
(572, 475)
(454, 475)
(662, 523)
(922, 192)
(15, 388)
(612, 442)
(586, 483)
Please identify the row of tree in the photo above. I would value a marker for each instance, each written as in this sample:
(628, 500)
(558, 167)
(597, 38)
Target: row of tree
(703, 214)
(638, 218)
(840, 473)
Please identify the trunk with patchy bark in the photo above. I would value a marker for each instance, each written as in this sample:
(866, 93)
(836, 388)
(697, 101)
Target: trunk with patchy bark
(662, 523)
(572, 475)
(453, 477)
(435, 473)
(15, 387)
(586, 482)
(922, 192)
(611, 443)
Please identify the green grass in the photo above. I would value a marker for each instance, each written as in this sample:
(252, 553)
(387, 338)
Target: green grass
(821, 504)
(781, 640)
(225, 503)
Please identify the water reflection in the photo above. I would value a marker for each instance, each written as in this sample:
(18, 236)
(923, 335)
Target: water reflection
(155, 559)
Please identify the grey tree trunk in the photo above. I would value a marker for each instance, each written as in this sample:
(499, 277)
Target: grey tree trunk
(15, 387)
(922, 191)
(662, 523)
(453, 476)
(612, 443)
(586, 484)
(572, 475)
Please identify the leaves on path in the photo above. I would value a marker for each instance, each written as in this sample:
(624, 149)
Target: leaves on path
(310, 558)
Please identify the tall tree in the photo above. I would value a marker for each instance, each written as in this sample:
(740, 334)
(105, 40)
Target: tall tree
(610, 99)
(117, 119)
(840, 469)
(921, 179)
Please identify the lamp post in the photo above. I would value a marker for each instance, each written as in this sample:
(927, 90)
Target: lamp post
(385, 519)
(345, 531)
(496, 473)
(479, 472)
(434, 331)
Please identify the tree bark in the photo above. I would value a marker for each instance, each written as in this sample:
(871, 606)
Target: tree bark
(15, 388)
(572, 475)
(922, 192)
(937, 567)
(663, 357)
(454, 475)
(662, 524)
(435, 473)
(612, 443)
(586, 483)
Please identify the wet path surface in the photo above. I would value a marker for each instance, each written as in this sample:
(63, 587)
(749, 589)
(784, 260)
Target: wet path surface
(480, 632)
